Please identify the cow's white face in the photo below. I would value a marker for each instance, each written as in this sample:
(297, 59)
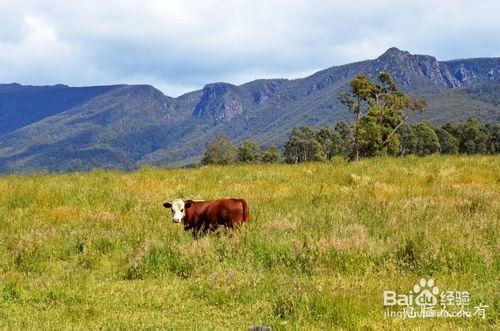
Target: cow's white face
(178, 209)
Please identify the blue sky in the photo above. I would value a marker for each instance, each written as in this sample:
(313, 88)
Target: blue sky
(179, 46)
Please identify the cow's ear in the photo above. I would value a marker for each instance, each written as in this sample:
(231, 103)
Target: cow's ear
(187, 204)
(167, 205)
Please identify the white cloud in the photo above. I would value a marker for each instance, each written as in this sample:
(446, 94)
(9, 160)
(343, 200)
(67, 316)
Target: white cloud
(180, 45)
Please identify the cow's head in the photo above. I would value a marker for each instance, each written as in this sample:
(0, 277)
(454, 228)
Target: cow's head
(178, 209)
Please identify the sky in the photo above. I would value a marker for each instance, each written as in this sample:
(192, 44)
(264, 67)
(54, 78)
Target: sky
(179, 46)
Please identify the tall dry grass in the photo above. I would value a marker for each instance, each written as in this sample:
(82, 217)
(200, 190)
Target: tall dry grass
(98, 250)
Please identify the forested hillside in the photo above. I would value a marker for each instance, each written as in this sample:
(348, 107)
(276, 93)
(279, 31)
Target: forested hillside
(60, 128)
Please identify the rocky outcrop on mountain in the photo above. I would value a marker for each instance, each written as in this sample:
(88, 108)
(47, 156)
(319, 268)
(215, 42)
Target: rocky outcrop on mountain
(266, 91)
(220, 102)
(464, 75)
(411, 69)
(475, 71)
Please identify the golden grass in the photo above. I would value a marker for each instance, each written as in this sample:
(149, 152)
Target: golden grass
(98, 249)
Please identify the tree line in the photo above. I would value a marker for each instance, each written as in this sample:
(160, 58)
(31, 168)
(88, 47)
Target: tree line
(470, 137)
(321, 144)
(222, 150)
(380, 127)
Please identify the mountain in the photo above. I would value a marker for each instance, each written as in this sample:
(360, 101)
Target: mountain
(23, 105)
(61, 128)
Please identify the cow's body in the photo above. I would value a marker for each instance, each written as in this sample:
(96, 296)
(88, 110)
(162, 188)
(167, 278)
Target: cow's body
(209, 215)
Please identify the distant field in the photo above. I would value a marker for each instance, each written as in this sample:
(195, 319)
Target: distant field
(326, 239)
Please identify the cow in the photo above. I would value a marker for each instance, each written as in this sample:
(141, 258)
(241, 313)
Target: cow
(204, 216)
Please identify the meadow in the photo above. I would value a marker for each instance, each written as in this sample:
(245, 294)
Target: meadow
(97, 249)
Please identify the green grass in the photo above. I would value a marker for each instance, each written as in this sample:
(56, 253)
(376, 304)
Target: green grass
(98, 249)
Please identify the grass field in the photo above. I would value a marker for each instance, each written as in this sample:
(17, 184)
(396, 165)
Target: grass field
(326, 239)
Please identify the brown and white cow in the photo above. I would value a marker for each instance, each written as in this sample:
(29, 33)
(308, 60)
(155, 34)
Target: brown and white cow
(208, 215)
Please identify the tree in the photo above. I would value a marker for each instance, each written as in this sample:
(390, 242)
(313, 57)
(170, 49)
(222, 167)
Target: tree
(220, 151)
(356, 102)
(427, 140)
(380, 111)
(472, 136)
(371, 138)
(271, 155)
(303, 146)
(346, 132)
(493, 131)
(330, 140)
(449, 144)
(408, 140)
(249, 152)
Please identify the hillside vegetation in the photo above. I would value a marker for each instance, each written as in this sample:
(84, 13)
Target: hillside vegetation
(98, 249)
(60, 128)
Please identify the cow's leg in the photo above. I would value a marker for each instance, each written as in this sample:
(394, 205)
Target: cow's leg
(195, 233)
(206, 225)
(198, 230)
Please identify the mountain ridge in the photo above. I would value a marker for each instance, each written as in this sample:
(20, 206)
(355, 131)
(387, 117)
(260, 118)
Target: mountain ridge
(62, 128)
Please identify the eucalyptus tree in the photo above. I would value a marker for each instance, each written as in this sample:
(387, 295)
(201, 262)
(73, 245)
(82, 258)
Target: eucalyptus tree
(380, 109)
